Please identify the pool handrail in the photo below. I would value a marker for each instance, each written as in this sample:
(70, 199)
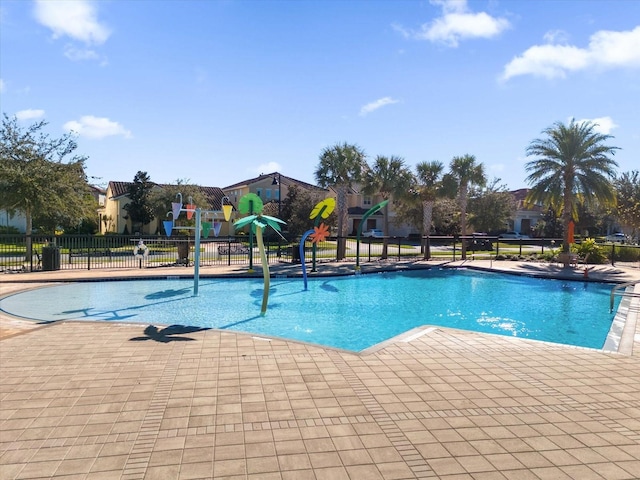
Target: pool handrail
(619, 287)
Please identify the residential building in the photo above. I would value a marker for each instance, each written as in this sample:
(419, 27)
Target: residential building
(114, 217)
(357, 205)
(270, 187)
(273, 187)
(526, 216)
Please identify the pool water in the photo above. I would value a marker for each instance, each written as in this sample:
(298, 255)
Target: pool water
(352, 312)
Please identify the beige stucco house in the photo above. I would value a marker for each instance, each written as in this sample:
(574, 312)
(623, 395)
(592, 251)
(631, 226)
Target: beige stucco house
(114, 218)
(273, 187)
(270, 187)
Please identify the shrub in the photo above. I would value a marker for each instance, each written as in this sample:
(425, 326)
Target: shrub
(627, 254)
(590, 248)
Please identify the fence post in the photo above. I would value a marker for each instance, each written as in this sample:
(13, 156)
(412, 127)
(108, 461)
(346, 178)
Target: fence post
(613, 253)
(29, 241)
(90, 246)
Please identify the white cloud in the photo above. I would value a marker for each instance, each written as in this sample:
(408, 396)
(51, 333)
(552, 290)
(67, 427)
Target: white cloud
(606, 49)
(79, 54)
(457, 23)
(96, 127)
(29, 114)
(616, 49)
(401, 30)
(603, 125)
(451, 6)
(381, 102)
(548, 61)
(556, 36)
(76, 19)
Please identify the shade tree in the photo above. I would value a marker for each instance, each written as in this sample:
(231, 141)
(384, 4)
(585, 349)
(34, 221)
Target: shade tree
(41, 176)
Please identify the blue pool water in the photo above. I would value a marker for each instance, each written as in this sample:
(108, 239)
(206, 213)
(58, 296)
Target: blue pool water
(353, 312)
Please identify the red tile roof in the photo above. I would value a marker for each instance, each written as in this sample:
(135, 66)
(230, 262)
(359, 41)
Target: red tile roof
(214, 194)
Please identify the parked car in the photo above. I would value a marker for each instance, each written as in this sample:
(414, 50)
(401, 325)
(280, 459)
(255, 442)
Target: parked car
(512, 236)
(374, 233)
(616, 237)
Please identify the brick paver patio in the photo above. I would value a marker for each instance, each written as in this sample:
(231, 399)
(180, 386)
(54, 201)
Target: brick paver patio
(82, 400)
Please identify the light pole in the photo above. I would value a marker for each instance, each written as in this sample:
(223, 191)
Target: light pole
(278, 181)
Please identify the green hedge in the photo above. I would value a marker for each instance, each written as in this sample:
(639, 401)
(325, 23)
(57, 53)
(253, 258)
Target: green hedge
(626, 254)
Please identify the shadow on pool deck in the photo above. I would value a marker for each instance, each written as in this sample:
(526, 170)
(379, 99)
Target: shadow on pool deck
(168, 334)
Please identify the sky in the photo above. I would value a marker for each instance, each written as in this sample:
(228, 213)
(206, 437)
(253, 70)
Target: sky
(217, 92)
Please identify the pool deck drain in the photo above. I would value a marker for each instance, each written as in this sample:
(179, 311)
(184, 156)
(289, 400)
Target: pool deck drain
(85, 401)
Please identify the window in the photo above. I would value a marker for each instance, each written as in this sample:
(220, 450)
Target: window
(366, 200)
(267, 193)
(259, 192)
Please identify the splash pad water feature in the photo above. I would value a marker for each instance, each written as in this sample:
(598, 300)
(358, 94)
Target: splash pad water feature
(201, 228)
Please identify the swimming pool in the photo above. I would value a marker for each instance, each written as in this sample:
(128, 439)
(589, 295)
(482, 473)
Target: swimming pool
(351, 312)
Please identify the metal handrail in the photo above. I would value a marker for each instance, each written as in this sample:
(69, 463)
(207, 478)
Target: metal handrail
(618, 287)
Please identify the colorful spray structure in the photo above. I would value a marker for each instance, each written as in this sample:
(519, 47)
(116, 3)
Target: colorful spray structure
(317, 234)
(205, 221)
(252, 206)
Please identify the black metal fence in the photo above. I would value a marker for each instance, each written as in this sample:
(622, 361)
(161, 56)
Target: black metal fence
(66, 252)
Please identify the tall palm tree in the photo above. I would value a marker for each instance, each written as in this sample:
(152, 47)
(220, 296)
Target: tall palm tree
(388, 177)
(466, 173)
(428, 187)
(628, 202)
(573, 166)
(341, 166)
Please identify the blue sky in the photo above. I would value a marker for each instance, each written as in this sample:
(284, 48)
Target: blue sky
(220, 91)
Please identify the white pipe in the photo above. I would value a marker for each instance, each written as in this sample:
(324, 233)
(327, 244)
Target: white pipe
(196, 255)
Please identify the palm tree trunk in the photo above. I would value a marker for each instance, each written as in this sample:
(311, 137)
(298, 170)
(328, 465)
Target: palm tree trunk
(427, 218)
(566, 218)
(385, 240)
(463, 218)
(341, 191)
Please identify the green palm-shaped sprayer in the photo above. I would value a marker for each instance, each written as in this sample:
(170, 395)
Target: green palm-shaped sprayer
(252, 205)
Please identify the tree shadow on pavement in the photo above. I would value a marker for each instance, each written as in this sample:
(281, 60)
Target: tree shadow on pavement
(168, 334)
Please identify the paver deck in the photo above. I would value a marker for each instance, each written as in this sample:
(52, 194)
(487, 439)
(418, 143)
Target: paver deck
(82, 400)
